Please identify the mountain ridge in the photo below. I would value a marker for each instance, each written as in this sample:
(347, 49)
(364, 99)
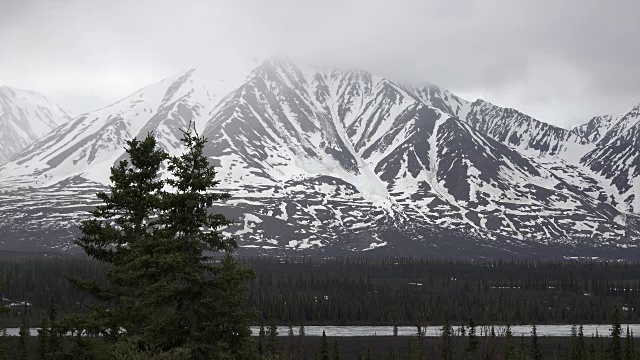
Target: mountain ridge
(25, 116)
(314, 156)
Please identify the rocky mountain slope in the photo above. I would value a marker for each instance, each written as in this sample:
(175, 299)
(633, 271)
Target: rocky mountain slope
(348, 161)
(25, 116)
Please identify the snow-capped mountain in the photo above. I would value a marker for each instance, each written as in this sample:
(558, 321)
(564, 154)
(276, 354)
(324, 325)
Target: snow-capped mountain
(25, 116)
(346, 160)
(616, 159)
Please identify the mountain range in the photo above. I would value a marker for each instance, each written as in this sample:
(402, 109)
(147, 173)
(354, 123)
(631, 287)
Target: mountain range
(340, 161)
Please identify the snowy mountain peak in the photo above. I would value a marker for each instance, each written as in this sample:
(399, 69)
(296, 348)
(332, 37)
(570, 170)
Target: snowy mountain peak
(321, 157)
(25, 116)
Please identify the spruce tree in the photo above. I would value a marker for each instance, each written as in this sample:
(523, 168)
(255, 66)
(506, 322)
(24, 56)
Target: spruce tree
(509, 348)
(581, 349)
(121, 228)
(336, 351)
(42, 345)
(272, 333)
(4, 338)
(262, 332)
(615, 347)
(3, 331)
(535, 348)
(409, 353)
(628, 350)
(393, 354)
(55, 348)
(472, 339)
(324, 347)
(574, 341)
(205, 301)
(22, 353)
(447, 341)
(163, 289)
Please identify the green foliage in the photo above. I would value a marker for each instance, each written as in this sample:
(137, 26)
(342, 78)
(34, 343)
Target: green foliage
(22, 353)
(472, 343)
(316, 291)
(615, 346)
(164, 294)
(535, 348)
(43, 340)
(447, 341)
(3, 331)
(4, 339)
(272, 333)
(336, 351)
(510, 347)
(324, 347)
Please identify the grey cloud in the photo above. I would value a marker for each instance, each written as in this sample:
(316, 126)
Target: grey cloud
(561, 61)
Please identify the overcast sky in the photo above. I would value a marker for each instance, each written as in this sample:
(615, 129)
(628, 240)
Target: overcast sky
(560, 61)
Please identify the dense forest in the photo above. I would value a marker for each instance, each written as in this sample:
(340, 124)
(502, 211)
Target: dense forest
(377, 291)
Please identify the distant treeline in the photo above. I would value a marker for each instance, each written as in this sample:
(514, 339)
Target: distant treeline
(401, 291)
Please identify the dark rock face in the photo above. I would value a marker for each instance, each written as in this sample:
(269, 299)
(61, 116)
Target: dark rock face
(342, 161)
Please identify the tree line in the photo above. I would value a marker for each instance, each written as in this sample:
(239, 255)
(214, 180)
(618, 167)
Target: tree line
(376, 291)
(455, 342)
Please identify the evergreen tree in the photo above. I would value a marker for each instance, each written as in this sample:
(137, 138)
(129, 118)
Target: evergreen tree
(509, 348)
(3, 343)
(262, 332)
(336, 351)
(120, 227)
(408, 355)
(535, 348)
(393, 354)
(55, 348)
(522, 349)
(43, 339)
(490, 354)
(301, 331)
(272, 333)
(324, 347)
(447, 341)
(581, 349)
(574, 341)
(23, 339)
(615, 347)
(472, 339)
(290, 331)
(3, 331)
(395, 329)
(163, 291)
(202, 297)
(628, 350)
